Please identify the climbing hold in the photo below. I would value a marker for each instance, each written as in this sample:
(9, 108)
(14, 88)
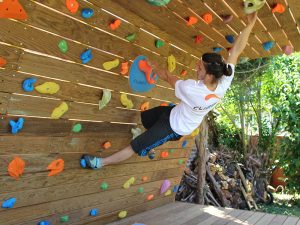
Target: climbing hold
(151, 154)
(44, 222)
(168, 192)
(195, 132)
(288, 49)
(164, 154)
(217, 49)
(171, 104)
(227, 18)
(138, 224)
(63, 46)
(158, 2)
(279, 8)
(198, 39)
(111, 64)
(164, 186)
(180, 161)
(171, 63)
(183, 73)
(48, 88)
(230, 38)
(191, 20)
(175, 188)
(9, 203)
(184, 144)
(87, 13)
(115, 24)
(122, 214)
(164, 104)
(3, 62)
(94, 212)
(268, 45)
(56, 167)
(251, 6)
(131, 37)
(228, 49)
(27, 84)
(106, 97)
(135, 132)
(145, 106)
(77, 128)
(16, 167)
(72, 6)
(83, 163)
(147, 70)
(124, 68)
(106, 145)
(86, 56)
(59, 111)
(125, 101)
(129, 182)
(172, 150)
(144, 178)
(16, 126)
(104, 186)
(159, 43)
(141, 190)
(207, 17)
(64, 218)
(150, 197)
(12, 10)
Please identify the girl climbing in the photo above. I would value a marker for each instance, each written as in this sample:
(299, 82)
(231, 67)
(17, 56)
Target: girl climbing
(198, 97)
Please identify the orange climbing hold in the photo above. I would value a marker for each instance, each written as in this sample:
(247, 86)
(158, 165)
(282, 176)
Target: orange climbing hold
(164, 104)
(279, 8)
(114, 25)
(147, 70)
(144, 178)
(106, 145)
(164, 154)
(191, 20)
(16, 167)
(145, 106)
(207, 17)
(12, 9)
(150, 197)
(2, 62)
(72, 6)
(183, 73)
(124, 68)
(56, 167)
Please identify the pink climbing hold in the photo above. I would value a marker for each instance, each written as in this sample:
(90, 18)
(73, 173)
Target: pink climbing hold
(227, 18)
(288, 49)
(165, 185)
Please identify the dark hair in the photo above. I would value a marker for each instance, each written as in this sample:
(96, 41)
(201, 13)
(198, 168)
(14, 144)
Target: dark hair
(215, 65)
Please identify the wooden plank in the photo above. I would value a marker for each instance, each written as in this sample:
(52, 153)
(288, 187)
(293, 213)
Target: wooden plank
(278, 220)
(265, 219)
(227, 217)
(12, 56)
(241, 218)
(254, 218)
(217, 213)
(292, 220)
(3, 102)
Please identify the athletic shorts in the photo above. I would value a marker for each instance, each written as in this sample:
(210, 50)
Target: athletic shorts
(159, 131)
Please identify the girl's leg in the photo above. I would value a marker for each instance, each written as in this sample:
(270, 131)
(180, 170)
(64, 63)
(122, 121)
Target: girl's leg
(120, 156)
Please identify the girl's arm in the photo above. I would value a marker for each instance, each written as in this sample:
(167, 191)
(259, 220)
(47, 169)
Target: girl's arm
(241, 41)
(164, 74)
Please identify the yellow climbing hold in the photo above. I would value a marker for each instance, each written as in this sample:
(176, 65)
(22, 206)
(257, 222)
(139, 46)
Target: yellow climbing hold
(59, 111)
(128, 183)
(195, 132)
(169, 192)
(106, 97)
(125, 101)
(48, 88)
(171, 63)
(122, 214)
(111, 64)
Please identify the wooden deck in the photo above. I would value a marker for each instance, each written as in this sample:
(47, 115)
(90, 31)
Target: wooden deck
(190, 214)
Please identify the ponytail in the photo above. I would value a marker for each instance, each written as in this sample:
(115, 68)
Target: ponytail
(215, 65)
(227, 70)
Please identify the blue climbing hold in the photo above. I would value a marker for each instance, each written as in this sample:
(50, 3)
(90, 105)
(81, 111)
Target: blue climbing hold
(28, 84)
(94, 212)
(9, 203)
(230, 38)
(175, 188)
(268, 45)
(83, 163)
(217, 49)
(151, 155)
(86, 56)
(172, 104)
(16, 126)
(44, 222)
(184, 143)
(87, 13)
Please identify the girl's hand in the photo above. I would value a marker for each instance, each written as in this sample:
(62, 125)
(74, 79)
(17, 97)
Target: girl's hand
(252, 17)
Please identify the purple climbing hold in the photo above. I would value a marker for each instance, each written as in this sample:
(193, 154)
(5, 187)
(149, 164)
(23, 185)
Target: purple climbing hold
(164, 187)
(87, 13)
(9, 203)
(184, 144)
(268, 45)
(86, 56)
(94, 212)
(44, 222)
(16, 126)
(230, 38)
(217, 49)
(227, 18)
(27, 84)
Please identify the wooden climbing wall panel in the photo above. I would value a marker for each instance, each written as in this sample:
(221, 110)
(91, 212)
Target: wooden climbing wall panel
(31, 50)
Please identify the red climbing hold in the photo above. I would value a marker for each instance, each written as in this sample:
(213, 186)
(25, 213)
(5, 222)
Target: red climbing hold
(183, 73)
(150, 197)
(56, 167)
(191, 20)
(207, 17)
(2, 62)
(16, 167)
(164, 104)
(106, 145)
(278, 8)
(114, 25)
(72, 6)
(147, 70)
(198, 39)
(12, 9)
(164, 154)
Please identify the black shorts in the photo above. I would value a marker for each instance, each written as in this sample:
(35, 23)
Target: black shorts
(159, 131)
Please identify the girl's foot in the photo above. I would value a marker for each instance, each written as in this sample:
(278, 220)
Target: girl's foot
(90, 161)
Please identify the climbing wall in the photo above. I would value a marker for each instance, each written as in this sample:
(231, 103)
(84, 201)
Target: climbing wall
(46, 45)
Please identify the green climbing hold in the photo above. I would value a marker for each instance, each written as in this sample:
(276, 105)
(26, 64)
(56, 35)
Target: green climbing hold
(131, 37)
(172, 150)
(77, 128)
(104, 186)
(140, 190)
(64, 218)
(63, 46)
(159, 43)
(181, 161)
(158, 2)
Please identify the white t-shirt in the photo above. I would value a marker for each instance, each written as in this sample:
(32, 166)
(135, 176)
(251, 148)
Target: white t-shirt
(196, 101)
